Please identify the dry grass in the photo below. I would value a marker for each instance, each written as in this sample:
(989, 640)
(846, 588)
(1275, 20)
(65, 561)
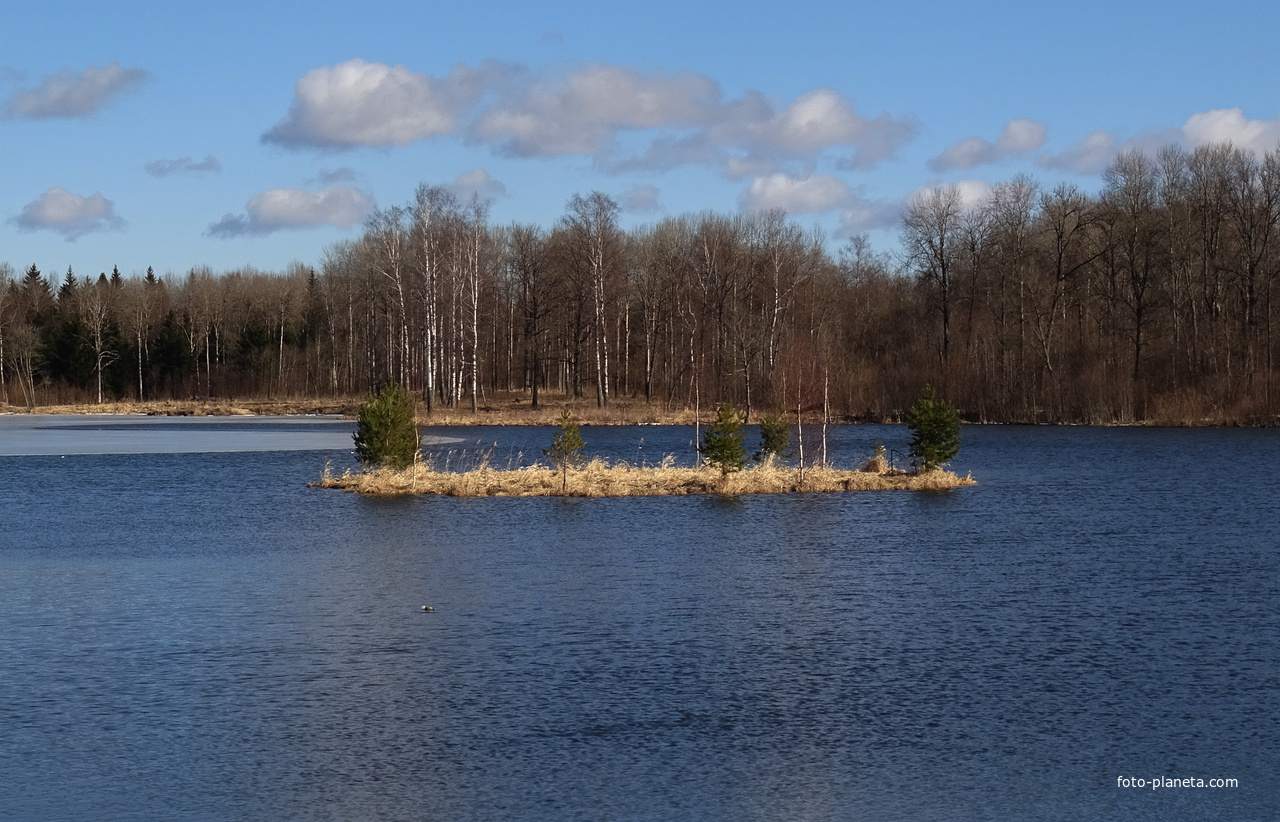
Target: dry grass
(513, 409)
(518, 411)
(203, 408)
(600, 479)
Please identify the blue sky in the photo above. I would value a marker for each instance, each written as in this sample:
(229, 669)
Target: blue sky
(239, 134)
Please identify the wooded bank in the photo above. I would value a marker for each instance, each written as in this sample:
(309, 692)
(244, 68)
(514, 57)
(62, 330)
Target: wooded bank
(1151, 300)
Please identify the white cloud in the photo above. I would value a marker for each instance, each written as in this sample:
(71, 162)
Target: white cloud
(863, 215)
(795, 195)
(640, 199)
(287, 208)
(1090, 156)
(735, 168)
(1018, 137)
(371, 104)
(476, 182)
(182, 165)
(973, 193)
(1093, 154)
(68, 94)
(584, 112)
(667, 152)
(808, 126)
(69, 214)
(1230, 125)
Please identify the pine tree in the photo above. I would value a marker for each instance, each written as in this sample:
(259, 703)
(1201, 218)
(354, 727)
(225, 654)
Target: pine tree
(935, 430)
(566, 447)
(775, 436)
(386, 432)
(722, 442)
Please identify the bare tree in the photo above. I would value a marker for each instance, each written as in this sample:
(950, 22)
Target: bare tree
(6, 319)
(592, 222)
(931, 240)
(385, 231)
(95, 311)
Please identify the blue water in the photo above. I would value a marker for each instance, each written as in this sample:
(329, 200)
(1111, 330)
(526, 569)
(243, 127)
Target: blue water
(200, 636)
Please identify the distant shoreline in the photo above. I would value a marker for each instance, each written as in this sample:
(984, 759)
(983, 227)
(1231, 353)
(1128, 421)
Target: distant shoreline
(513, 412)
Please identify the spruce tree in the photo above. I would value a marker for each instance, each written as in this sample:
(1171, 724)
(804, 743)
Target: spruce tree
(722, 442)
(386, 432)
(935, 430)
(775, 436)
(566, 447)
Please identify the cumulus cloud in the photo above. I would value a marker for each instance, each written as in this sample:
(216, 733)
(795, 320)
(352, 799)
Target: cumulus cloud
(287, 208)
(1089, 156)
(973, 193)
(69, 214)
(182, 165)
(68, 94)
(640, 199)
(476, 183)
(1019, 137)
(1093, 154)
(735, 168)
(1227, 125)
(1230, 125)
(584, 112)
(371, 104)
(866, 214)
(809, 125)
(795, 195)
(680, 118)
(667, 152)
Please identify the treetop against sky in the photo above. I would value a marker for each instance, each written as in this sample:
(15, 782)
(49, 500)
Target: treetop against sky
(257, 133)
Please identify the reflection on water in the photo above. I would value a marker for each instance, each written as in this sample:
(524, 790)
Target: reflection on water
(201, 636)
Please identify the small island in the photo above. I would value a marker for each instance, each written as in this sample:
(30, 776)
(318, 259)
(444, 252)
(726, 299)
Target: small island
(388, 445)
(600, 479)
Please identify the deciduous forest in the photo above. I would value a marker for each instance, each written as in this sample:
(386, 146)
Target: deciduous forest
(1152, 299)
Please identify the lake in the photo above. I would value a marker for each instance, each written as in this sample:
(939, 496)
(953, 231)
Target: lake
(190, 633)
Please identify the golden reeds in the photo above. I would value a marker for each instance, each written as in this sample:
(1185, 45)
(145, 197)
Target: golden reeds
(600, 479)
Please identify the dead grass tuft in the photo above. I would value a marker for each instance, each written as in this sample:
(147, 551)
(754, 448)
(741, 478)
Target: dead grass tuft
(876, 465)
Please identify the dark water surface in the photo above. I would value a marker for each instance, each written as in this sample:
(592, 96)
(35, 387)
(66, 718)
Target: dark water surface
(200, 636)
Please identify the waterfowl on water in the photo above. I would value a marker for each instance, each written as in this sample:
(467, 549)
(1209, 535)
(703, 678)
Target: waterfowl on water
(427, 608)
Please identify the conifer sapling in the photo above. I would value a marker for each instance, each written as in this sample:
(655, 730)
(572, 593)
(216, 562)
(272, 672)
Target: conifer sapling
(386, 431)
(722, 442)
(935, 430)
(566, 447)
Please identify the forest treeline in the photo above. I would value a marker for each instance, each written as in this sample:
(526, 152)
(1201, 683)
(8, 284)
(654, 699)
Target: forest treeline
(1151, 299)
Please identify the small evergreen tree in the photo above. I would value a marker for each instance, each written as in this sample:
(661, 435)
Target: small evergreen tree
(386, 432)
(722, 442)
(775, 436)
(935, 430)
(566, 447)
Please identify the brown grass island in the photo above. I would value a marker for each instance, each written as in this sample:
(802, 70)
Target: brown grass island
(598, 478)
